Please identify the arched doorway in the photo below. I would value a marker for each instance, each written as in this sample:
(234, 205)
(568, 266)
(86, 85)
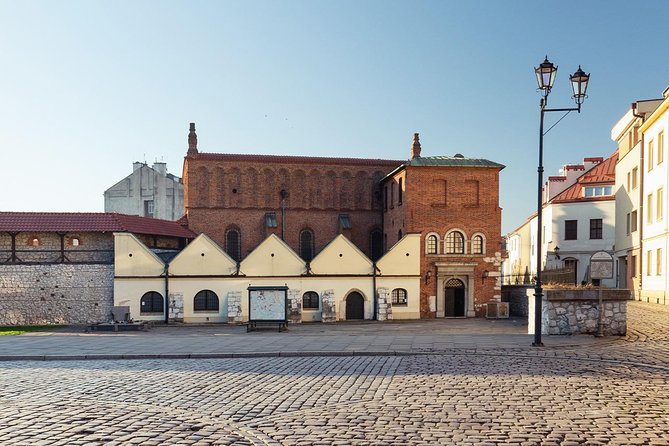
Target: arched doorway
(355, 306)
(454, 298)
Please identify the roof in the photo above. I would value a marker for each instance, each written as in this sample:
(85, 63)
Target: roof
(293, 159)
(90, 222)
(452, 161)
(603, 174)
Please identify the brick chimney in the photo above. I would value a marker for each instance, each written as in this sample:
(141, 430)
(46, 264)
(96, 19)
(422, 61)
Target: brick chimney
(192, 140)
(415, 147)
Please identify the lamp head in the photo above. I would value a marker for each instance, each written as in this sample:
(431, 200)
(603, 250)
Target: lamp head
(545, 72)
(579, 85)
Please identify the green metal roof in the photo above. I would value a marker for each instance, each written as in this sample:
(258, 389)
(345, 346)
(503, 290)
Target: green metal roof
(452, 161)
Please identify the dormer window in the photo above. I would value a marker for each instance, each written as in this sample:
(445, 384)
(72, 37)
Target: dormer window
(598, 191)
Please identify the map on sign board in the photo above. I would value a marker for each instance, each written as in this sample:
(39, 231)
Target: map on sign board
(601, 265)
(267, 305)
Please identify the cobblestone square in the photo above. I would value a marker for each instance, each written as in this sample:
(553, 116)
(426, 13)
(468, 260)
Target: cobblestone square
(604, 393)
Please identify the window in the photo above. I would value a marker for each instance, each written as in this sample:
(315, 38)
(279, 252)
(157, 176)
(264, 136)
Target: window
(74, 241)
(270, 220)
(651, 148)
(571, 229)
(34, 241)
(398, 296)
(627, 228)
(477, 244)
(307, 244)
(660, 147)
(658, 262)
(455, 243)
(431, 244)
(629, 182)
(148, 208)
(399, 192)
(595, 228)
(151, 302)
(660, 204)
(233, 244)
(649, 258)
(345, 221)
(633, 267)
(635, 176)
(375, 244)
(634, 220)
(205, 300)
(310, 301)
(649, 209)
(598, 191)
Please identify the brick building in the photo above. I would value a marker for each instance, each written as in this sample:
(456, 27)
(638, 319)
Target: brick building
(453, 202)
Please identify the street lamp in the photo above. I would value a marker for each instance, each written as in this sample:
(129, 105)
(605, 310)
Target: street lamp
(546, 72)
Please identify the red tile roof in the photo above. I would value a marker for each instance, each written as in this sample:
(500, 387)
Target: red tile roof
(604, 174)
(89, 222)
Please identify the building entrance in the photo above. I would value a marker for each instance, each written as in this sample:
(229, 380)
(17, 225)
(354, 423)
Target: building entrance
(355, 306)
(454, 298)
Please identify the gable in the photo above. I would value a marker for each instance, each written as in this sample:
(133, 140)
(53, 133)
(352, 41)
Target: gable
(133, 258)
(273, 258)
(403, 258)
(341, 256)
(202, 257)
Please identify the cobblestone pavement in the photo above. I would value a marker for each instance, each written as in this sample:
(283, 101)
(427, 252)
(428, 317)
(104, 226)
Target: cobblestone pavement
(615, 393)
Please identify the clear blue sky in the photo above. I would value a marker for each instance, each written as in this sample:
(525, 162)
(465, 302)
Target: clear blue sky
(88, 87)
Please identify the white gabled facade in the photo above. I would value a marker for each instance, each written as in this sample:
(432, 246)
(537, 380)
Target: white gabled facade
(655, 234)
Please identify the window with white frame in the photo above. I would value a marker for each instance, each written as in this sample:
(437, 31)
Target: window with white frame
(598, 191)
(477, 244)
(455, 243)
(432, 244)
(398, 296)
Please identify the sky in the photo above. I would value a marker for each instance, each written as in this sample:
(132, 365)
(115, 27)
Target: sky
(89, 87)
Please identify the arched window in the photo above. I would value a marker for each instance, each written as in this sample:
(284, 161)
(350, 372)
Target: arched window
(233, 243)
(310, 301)
(398, 296)
(34, 241)
(307, 244)
(151, 302)
(205, 300)
(432, 244)
(455, 243)
(375, 244)
(477, 244)
(74, 241)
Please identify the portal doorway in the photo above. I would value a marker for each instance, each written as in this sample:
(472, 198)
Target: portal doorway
(454, 298)
(355, 306)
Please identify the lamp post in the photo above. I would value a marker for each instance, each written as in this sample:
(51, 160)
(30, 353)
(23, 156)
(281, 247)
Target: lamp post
(546, 72)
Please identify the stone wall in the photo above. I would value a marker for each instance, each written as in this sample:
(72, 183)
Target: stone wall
(234, 307)
(176, 307)
(329, 313)
(295, 306)
(385, 306)
(516, 296)
(576, 311)
(55, 294)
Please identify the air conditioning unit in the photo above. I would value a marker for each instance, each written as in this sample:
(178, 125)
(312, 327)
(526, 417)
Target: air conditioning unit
(497, 310)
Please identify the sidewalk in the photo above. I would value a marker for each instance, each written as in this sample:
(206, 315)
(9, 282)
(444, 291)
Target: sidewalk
(343, 338)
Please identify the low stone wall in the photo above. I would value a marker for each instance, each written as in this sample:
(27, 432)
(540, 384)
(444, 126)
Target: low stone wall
(576, 311)
(55, 294)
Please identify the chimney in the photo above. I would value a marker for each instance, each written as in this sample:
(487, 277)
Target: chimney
(192, 140)
(415, 147)
(160, 167)
(136, 165)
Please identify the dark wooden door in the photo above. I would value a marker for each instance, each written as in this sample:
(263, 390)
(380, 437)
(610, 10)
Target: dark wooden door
(355, 306)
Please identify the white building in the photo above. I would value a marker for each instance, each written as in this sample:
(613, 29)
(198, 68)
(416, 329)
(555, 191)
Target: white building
(578, 220)
(149, 192)
(655, 234)
(629, 191)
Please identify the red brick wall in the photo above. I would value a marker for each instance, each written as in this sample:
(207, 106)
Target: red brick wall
(225, 190)
(439, 199)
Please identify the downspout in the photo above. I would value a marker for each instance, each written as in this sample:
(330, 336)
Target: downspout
(640, 222)
(375, 316)
(166, 272)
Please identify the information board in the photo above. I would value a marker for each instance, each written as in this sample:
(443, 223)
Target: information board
(601, 265)
(268, 304)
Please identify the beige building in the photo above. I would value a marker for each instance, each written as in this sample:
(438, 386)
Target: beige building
(204, 284)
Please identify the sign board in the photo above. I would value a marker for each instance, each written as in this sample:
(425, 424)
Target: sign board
(268, 304)
(601, 265)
